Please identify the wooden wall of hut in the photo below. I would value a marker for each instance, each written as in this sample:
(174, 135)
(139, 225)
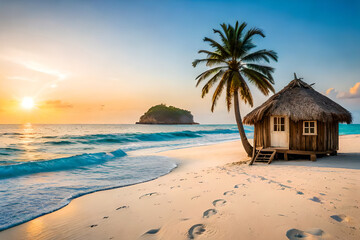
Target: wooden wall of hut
(326, 140)
(262, 133)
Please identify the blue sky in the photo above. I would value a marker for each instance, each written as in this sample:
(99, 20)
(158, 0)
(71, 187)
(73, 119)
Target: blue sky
(124, 56)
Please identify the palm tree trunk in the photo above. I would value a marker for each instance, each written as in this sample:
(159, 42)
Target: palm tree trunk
(248, 148)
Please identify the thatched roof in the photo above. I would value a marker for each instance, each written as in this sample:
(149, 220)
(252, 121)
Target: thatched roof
(299, 101)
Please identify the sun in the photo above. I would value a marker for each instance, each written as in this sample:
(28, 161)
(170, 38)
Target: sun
(27, 103)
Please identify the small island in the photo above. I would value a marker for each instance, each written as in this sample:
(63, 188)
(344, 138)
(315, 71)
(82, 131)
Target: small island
(162, 114)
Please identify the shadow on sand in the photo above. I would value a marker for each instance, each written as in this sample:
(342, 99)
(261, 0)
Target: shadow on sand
(342, 160)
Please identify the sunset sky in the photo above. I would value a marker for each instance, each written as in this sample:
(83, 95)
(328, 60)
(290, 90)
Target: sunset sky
(109, 61)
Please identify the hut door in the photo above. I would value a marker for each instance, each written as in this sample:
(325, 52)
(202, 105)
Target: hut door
(279, 131)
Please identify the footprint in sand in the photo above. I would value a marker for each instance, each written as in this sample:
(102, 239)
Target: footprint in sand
(340, 218)
(229, 193)
(152, 231)
(195, 197)
(240, 185)
(315, 199)
(208, 213)
(219, 202)
(296, 234)
(284, 186)
(196, 230)
(149, 195)
(122, 207)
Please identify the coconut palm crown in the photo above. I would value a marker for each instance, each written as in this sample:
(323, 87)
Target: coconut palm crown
(233, 62)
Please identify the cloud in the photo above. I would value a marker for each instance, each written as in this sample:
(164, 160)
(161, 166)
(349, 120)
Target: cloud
(56, 76)
(26, 79)
(43, 69)
(330, 90)
(354, 92)
(55, 104)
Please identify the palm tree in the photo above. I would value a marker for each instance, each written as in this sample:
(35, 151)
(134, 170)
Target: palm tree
(232, 61)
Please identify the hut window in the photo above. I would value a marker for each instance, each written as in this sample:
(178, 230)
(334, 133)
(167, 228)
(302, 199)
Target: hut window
(309, 128)
(279, 124)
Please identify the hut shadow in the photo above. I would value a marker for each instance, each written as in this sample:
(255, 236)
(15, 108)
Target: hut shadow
(342, 160)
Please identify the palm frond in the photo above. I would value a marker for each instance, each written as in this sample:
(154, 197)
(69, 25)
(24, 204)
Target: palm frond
(229, 94)
(208, 61)
(238, 46)
(211, 82)
(212, 55)
(240, 30)
(244, 90)
(266, 70)
(225, 27)
(218, 90)
(259, 80)
(206, 74)
(217, 46)
(224, 40)
(260, 55)
(252, 32)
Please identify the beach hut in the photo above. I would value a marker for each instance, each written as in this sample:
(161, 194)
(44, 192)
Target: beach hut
(296, 121)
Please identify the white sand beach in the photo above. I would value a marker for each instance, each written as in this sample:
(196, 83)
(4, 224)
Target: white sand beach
(208, 196)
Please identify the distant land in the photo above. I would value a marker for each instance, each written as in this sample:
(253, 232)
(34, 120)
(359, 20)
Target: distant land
(162, 114)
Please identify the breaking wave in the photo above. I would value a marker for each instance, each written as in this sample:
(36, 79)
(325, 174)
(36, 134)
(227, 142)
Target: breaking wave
(137, 137)
(58, 164)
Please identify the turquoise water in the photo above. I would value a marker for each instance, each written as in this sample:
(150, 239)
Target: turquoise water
(348, 129)
(43, 167)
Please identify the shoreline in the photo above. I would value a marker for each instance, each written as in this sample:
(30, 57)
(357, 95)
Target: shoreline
(207, 162)
(68, 201)
(179, 165)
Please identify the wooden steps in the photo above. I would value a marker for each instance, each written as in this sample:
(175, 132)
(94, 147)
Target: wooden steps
(263, 155)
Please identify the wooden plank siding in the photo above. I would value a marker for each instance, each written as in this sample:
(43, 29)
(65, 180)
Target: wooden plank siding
(326, 140)
(262, 133)
(298, 141)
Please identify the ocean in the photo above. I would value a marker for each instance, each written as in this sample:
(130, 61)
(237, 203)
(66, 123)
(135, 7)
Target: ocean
(43, 167)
